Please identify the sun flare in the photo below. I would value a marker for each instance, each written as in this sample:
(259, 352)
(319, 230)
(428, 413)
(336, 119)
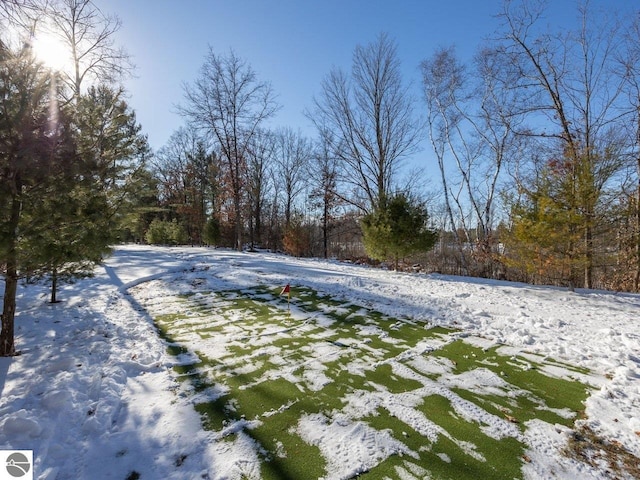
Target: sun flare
(51, 51)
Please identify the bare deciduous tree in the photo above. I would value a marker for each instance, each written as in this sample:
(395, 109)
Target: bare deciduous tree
(229, 104)
(323, 173)
(88, 34)
(187, 171)
(292, 155)
(470, 120)
(630, 73)
(574, 98)
(370, 115)
(442, 77)
(22, 14)
(259, 178)
(170, 164)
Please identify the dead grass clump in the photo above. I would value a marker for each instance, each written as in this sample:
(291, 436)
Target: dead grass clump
(586, 446)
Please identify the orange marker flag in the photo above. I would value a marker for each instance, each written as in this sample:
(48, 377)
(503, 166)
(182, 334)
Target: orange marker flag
(287, 290)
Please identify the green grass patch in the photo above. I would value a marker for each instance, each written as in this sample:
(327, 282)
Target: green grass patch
(439, 396)
(467, 447)
(531, 393)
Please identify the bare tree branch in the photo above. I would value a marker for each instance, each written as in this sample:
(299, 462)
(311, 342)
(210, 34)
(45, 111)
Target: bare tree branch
(371, 119)
(229, 104)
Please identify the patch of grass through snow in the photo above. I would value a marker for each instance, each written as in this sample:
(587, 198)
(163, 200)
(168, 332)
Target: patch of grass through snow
(432, 390)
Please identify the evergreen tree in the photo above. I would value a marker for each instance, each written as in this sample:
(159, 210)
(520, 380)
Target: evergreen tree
(64, 172)
(37, 161)
(77, 237)
(546, 241)
(397, 228)
(161, 232)
(139, 208)
(84, 220)
(212, 233)
(110, 142)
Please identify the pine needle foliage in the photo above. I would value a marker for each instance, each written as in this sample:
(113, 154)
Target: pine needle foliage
(396, 229)
(547, 238)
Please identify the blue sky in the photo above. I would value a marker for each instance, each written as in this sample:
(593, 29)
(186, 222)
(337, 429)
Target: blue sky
(292, 44)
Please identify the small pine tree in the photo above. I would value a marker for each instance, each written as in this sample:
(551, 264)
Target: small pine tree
(546, 237)
(156, 234)
(161, 232)
(212, 232)
(75, 240)
(396, 229)
(177, 233)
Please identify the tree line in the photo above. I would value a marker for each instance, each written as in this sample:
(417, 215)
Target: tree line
(536, 141)
(225, 178)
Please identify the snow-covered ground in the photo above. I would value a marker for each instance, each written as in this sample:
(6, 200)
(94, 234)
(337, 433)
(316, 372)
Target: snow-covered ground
(94, 381)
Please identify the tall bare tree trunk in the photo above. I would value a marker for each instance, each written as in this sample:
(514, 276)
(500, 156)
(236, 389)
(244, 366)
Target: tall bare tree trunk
(588, 244)
(238, 221)
(7, 343)
(370, 116)
(325, 230)
(54, 285)
(636, 280)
